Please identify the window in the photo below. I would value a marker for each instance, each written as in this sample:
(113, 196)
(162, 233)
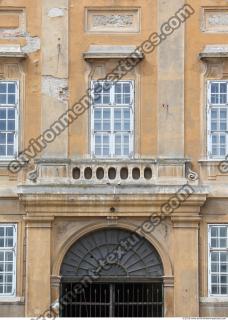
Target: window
(8, 118)
(112, 119)
(218, 119)
(8, 235)
(218, 260)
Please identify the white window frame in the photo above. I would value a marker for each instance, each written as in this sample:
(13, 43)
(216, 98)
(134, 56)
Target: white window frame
(112, 105)
(14, 250)
(209, 129)
(16, 106)
(210, 250)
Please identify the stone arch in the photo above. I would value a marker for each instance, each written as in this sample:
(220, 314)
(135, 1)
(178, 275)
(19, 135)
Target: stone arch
(166, 262)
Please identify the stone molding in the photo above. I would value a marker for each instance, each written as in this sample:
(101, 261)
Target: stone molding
(38, 222)
(112, 20)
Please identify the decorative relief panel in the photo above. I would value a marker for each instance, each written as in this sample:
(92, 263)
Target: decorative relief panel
(13, 20)
(100, 20)
(215, 20)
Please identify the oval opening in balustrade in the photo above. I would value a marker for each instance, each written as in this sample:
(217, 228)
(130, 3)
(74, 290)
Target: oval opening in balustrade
(147, 173)
(100, 173)
(88, 173)
(136, 173)
(76, 173)
(124, 173)
(112, 173)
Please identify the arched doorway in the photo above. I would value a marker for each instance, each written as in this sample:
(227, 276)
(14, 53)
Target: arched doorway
(111, 273)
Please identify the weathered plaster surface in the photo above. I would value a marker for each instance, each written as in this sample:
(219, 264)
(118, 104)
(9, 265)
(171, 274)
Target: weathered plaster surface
(56, 12)
(55, 88)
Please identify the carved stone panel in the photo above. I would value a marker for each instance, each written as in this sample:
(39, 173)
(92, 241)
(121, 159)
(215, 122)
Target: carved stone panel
(112, 20)
(215, 19)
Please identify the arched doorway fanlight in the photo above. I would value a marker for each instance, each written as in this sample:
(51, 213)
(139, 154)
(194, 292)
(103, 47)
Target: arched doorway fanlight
(116, 272)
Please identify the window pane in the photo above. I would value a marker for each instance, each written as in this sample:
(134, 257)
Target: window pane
(2, 125)
(11, 125)
(10, 150)
(8, 289)
(223, 98)
(214, 231)
(9, 242)
(2, 113)
(9, 278)
(11, 99)
(2, 138)
(215, 87)
(97, 125)
(118, 88)
(223, 232)
(106, 99)
(98, 151)
(9, 267)
(12, 88)
(118, 99)
(224, 257)
(215, 289)
(223, 87)
(223, 267)
(224, 279)
(2, 150)
(126, 88)
(214, 98)
(214, 256)
(11, 114)
(214, 125)
(127, 99)
(215, 279)
(10, 138)
(224, 289)
(97, 99)
(2, 87)
(2, 98)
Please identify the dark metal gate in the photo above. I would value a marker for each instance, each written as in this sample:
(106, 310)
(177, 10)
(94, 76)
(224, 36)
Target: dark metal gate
(112, 300)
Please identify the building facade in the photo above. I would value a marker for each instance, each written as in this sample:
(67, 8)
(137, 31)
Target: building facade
(113, 171)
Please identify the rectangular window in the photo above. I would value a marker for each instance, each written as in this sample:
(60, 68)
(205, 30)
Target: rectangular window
(218, 260)
(8, 234)
(112, 119)
(9, 95)
(218, 119)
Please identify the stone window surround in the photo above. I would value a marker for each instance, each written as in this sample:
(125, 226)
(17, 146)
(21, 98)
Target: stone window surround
(13, 54)
(215, 68)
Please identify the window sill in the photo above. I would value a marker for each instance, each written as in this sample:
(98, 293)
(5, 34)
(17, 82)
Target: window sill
(5, 162)
(215, 161)
(5, 299)
(214, 299)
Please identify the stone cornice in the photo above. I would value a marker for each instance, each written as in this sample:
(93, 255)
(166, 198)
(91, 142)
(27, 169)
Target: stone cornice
(132, 202)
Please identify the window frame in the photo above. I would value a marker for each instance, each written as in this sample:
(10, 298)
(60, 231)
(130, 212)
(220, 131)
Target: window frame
(16, 106)
(217, 106)
(14, 250)
(113, 106)
(210, 250)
